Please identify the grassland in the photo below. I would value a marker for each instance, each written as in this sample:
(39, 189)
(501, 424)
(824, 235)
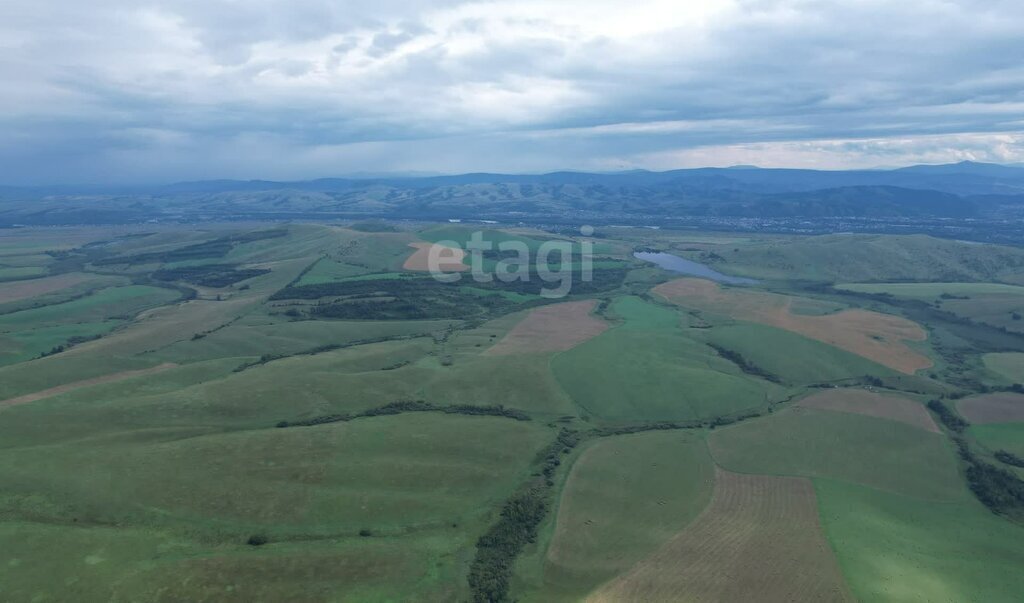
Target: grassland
(524, 382)
(1009, 365)
(806, 361)
(1001, 436)
(149, 464)
(646, 369)
(760, 539)
(29, 333)
(625, 497)
(866, 258)
(897, 548)
(808, 442)
(881, 338)
(872, 404)
(210, 492)
(996, 304)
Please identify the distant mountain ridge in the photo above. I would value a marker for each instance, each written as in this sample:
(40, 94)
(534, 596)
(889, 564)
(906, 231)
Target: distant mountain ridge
(965, 190)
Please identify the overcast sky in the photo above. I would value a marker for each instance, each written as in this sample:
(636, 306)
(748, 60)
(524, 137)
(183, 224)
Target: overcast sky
(158, 91)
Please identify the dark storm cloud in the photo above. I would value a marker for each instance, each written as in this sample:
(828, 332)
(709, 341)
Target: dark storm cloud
(170, 90)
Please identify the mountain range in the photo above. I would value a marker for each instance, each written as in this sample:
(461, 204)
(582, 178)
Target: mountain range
(966, 190)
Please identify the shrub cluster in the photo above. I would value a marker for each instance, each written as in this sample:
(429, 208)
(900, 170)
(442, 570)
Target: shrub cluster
(1009, 458)
(496, 551)
(745, 365)
(216, 248)
(404, 406)
(999, 490)
(950, 419)
(209, 275)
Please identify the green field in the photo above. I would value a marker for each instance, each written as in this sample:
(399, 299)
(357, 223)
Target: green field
(646, 369)
(932, 291)
(625, 497)
(524, 382)
(843, 258)
(319, 424)
(109, 303)
(26, 334)
(874, 452)
(14, 273)
(1001, 436)
(995, 304)
(805, 362)
(1009, 366)
(898, 548)
(201, 495)
(287, 338)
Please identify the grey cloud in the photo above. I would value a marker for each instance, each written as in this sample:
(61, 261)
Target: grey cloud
(454, 86)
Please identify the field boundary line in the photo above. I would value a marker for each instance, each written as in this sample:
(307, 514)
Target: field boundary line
(68, 387)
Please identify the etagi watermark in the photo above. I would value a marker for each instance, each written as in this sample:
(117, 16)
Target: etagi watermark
(555, 263)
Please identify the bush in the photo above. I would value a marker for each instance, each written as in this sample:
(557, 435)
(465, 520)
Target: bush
(950, 419)
(257, 540)
(1009, 458)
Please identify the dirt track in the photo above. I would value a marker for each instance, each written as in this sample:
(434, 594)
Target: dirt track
(19, 290)
(63, 389)
(759, 540)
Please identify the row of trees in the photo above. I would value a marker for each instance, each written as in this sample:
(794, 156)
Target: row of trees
(745, 365)
(997, 488)
(496, 551)
(209, 275)
(404, 406)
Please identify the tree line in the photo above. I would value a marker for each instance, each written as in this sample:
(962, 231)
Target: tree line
(404, 406)
(998, 489)
(497, 549)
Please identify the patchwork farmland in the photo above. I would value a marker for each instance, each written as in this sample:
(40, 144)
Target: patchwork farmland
(298, 412)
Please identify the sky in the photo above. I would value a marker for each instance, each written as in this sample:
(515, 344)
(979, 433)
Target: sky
(137, 91)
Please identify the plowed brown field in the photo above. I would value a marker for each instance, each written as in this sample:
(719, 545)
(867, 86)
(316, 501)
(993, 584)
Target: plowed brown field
(449, 258)
(993, 408)
(875, 336)
(552, 328)
(863, 402)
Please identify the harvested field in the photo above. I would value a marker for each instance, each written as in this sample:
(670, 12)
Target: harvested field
(449, 258)
(40, 286)
(993, 408)
(554, 328)
(863, 402)
(759, 540)
(63, 389)
(624, 499)
(875, 336)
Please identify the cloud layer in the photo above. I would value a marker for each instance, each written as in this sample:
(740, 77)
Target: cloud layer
(128, 91)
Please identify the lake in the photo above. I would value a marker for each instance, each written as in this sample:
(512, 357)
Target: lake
(675, 263)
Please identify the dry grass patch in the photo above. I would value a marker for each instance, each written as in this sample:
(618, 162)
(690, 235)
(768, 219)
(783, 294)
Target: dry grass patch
(993, 408)
(759, 540)
(875, 336)
(449, 258)
(863, 402)
(63, 389)
(19, 290)
(554, 328)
